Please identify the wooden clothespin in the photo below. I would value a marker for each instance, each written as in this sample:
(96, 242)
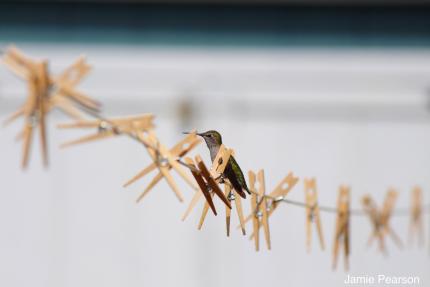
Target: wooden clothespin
(204, 182)
(312, 212)
(232, 195)
(73, 74)
(416, 218)
(164, 160)
(21, 65)
(342, 231)
(280, 192)
(380, 219)
(42, 97)
(217, 169)
(208, 183)
(387, 211)
(65, 96)
(372, 210)
(106, 128)
(260, 208)
(211, 188)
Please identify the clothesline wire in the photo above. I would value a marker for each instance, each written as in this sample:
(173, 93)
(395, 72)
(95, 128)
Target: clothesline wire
(130, 135)
(359, 212)
(328, 209)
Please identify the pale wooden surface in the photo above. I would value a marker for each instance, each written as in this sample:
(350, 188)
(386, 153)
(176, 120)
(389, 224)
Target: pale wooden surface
(342, 230)
(312, 212)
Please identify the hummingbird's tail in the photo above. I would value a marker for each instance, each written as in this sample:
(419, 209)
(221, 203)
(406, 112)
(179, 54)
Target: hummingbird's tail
(236, 185)
(247, 190)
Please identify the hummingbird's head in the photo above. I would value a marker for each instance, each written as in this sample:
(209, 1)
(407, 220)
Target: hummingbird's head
(212, 138)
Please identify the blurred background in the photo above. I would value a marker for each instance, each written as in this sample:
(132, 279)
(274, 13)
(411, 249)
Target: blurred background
(337, 90)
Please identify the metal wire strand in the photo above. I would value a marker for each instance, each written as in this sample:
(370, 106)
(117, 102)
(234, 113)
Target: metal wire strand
(328, 209)
(133, 136)
(358, 212)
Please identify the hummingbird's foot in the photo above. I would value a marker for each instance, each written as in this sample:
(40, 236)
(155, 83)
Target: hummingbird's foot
(220, 179)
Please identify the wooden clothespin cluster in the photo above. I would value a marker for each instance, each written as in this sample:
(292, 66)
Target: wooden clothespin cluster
(416, 216)
(312, 212)
(381, 219)
(140, 128)
(260, 215)
(342, 231)
(46, 92)
(208, 181)
(164, 160)
(259, 207)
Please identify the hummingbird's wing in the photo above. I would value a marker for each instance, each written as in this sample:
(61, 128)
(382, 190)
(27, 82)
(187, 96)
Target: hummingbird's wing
(236, 177)
(236, 185)
(239, 174)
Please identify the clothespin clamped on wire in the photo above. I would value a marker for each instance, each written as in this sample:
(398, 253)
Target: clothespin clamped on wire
(208, 180)
(164, 160)
(312, 212)
(259, 207)
(381, 219)
(273, 200)
(208, 187)
(416, 218)
(342, 231)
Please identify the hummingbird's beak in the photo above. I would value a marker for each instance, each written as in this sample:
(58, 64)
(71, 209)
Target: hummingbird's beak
(187, 133)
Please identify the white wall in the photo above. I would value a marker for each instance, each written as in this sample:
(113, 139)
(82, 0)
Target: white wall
(356, 117)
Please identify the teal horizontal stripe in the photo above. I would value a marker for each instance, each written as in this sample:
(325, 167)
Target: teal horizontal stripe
(116, 36)
(216, 25)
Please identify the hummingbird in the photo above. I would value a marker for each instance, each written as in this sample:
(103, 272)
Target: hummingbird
(232, 170)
